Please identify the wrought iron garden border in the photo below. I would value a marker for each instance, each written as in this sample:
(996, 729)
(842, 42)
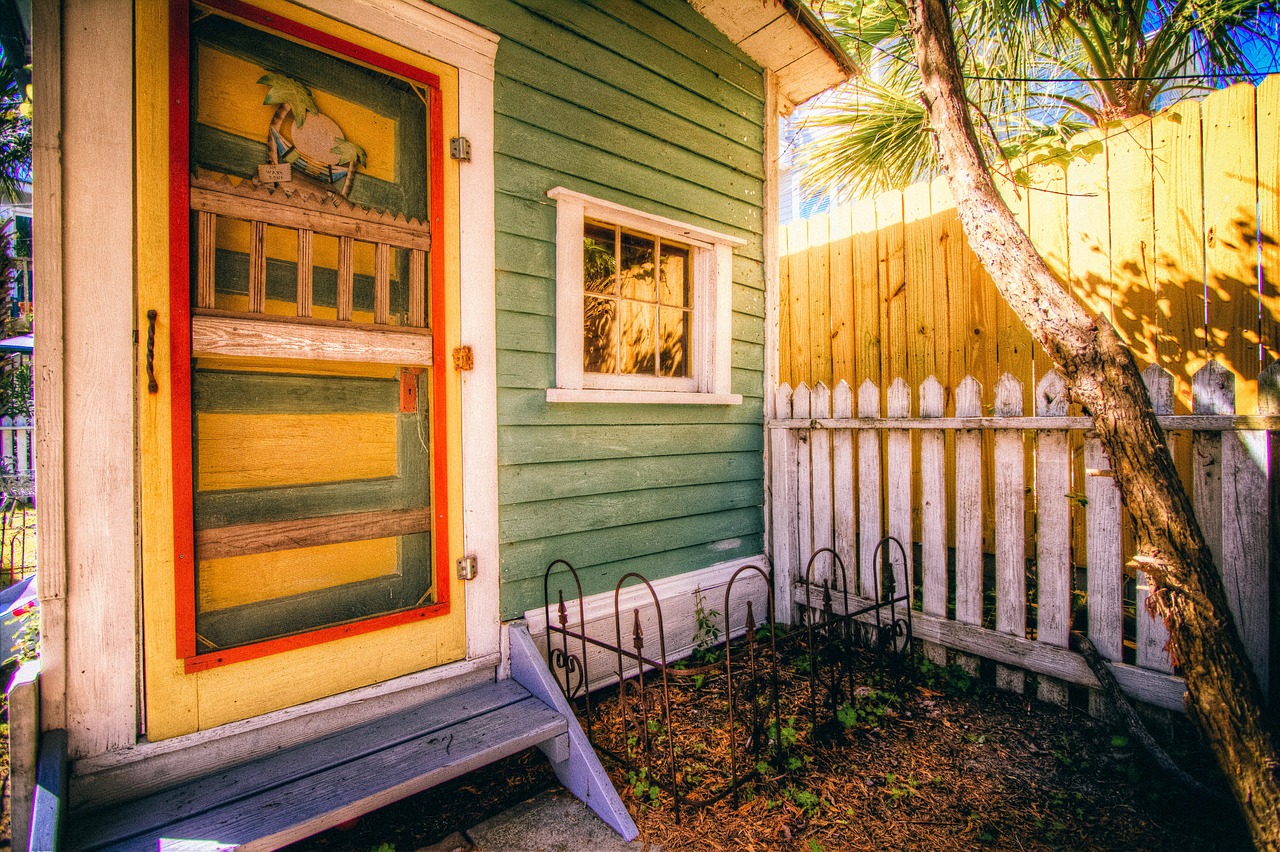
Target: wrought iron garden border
(644, 680)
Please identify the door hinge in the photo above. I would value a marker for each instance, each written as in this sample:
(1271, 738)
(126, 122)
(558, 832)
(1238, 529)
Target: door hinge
(467, 568)
(460, 148)
(464, 359)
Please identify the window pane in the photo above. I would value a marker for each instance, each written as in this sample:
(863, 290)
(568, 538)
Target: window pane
(324, 276)
(231, 265)
(333, 480)
(599, 346)
(362, 263)
(674, 356)
(599, 260)
(399, 290)
(637, 338)
(636, 274)
(676, 276)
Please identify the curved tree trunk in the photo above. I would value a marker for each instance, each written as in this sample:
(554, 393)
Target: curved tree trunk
(1224, 693)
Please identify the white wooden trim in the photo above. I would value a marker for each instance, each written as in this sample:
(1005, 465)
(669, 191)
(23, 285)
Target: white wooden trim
(773, 488)
(271, 338)
(629, 217)
(712, 262)
(676, 595)
(569, 309)
(421, 27)
(641, 396)
(50, 440)
(145, 768)
(98, 376)
(478, 329)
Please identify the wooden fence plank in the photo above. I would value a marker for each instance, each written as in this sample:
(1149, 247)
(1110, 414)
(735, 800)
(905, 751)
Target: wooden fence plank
(1011, 542)
(1268, 126)
(898, 477)
(1245, 540)
(969, 513)
(869, 499)
(1105, 577)
(801, 402)
(1269, 404)
(798, 304)
(843, 482)
(1230, 219)
(782, 460)
(1152, 635)
(841, 317)
(1179, 248)
(969, 507)
(818, 347)
(1053, 530)
(1213, 392)
(924, 337)
(933, 499)
(1134, 308)
(892, 278)
(787, 286)
(820, 471)
(866, 295)
(1088, 219)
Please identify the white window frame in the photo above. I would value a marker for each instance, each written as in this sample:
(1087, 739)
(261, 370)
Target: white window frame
(712, 324)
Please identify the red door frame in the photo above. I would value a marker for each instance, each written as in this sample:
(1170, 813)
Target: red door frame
(180, 330)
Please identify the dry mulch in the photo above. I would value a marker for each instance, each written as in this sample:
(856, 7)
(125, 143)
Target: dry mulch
(929, 761)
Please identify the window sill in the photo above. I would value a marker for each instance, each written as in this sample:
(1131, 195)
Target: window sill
(641, 396)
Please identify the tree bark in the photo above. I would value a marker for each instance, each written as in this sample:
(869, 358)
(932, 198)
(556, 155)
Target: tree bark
(1224, 695)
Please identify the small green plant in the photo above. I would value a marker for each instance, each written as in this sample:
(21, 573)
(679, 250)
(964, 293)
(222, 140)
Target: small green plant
(869, 708)
(814, 845)
(384, 847)
(706, 632)
(950, 680)
(698, 680)
(804, 800)
(786, 737)
(899, 788)
(644, 789)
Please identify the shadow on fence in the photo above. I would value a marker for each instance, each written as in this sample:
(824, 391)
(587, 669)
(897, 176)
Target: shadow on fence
(732, 698)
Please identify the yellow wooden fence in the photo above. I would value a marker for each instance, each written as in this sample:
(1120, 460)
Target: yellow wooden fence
(1170, 228)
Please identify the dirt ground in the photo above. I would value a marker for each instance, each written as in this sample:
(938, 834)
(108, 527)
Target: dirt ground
(931, 762)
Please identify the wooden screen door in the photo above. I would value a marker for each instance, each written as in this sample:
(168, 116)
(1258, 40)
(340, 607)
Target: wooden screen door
(317, 473)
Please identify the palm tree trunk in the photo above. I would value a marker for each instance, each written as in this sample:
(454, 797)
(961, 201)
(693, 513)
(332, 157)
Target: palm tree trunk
(1224, 695)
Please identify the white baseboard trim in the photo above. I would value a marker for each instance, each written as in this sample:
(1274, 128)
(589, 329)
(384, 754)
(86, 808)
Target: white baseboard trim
(148, 767)
(678, 600)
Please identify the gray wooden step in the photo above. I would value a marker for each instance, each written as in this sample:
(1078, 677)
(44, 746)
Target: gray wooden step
(294, 793)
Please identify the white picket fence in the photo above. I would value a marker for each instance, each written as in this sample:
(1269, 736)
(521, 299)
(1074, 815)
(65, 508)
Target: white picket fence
(15, 447)
(819, 449)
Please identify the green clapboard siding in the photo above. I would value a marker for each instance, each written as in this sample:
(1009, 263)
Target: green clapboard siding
(644, 103)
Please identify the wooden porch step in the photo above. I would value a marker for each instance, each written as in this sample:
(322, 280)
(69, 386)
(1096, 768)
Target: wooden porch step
(291, 794)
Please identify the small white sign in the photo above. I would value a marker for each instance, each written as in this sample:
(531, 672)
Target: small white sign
(275, 173)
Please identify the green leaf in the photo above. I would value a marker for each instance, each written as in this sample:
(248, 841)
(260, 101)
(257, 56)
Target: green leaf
(286, 90)
(348, 152)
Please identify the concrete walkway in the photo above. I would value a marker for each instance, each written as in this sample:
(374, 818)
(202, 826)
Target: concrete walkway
(553, 821)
